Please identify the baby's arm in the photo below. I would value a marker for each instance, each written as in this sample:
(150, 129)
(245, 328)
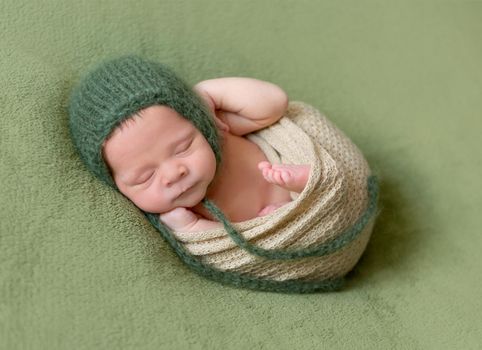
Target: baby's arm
(244, 104)
(182, 219)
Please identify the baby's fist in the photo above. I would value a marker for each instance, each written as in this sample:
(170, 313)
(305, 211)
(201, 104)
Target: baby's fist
(178, 219)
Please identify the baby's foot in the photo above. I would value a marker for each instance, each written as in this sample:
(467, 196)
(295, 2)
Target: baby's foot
(291, 177)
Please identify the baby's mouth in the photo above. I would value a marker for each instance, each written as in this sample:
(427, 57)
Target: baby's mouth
(186, 190)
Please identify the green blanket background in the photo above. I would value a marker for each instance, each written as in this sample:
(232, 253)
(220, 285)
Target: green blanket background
(81, 268)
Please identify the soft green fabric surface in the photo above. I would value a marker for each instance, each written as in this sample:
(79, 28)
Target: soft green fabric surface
(80, 267)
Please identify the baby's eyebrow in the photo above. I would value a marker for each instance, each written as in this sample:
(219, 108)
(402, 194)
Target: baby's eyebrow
(130, 176)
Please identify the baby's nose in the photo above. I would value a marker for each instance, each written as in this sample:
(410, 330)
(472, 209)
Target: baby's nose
(174, 175)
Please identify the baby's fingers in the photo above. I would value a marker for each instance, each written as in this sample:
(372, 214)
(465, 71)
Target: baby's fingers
(178, 218)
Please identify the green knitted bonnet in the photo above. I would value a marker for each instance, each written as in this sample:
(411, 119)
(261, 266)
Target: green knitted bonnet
(118, 88)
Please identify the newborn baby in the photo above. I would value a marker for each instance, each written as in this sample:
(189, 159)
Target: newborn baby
(191, 159)
(165, 165)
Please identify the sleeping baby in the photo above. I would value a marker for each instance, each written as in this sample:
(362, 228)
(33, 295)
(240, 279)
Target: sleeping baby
(164, 164)
(196, 159)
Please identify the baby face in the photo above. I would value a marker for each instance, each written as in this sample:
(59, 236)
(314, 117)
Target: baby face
(160, 161)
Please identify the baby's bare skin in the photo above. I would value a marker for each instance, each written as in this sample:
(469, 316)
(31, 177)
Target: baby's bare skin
(163, 164)
(290, 177)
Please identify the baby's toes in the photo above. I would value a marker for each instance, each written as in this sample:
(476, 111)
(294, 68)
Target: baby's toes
(281, 175)
(286, 176)
(278, 176)
(264, 165)
(267, 174)
(272, 176)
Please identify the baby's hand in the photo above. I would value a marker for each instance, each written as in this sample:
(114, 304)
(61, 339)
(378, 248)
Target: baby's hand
(179, 219)
(183, 219)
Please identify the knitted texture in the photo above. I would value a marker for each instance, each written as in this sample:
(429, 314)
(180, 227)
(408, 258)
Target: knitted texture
(321, 234)
(116, 89)
(309, 244)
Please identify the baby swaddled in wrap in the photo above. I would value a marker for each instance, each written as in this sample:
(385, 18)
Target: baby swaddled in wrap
(307, 244)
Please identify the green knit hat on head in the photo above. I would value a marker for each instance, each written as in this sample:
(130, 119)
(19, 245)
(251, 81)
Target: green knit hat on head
(118, 88)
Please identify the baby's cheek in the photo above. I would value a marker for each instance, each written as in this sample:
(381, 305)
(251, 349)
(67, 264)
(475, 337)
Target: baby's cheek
(208, 164)
(157, 201)
(142, 201)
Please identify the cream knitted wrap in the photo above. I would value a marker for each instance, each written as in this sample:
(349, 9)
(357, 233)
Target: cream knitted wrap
(332, 202)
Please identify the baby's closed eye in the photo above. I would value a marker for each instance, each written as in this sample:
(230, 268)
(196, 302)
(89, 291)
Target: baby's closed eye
(186, 147)
(144, 179)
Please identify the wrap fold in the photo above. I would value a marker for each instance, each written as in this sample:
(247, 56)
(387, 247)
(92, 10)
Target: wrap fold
(308, 244)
